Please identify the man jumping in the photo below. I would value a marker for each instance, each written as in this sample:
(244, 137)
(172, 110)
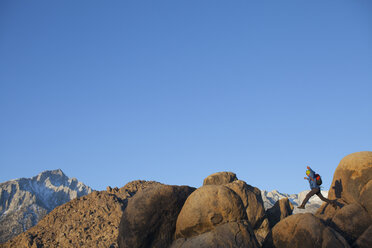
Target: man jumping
(315, 189)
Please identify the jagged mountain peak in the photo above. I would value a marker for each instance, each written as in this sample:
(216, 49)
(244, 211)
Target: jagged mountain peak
(53, 175)
(25, 201)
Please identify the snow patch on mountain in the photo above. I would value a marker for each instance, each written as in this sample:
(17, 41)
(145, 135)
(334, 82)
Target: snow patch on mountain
(270, 197)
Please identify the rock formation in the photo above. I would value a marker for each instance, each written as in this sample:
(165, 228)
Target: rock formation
(150, 218)
(282, 209)
(303, 230)
(25, 201)
(207, 207)
(352, 180)
(351, 184)
(254, 207)
(351, 221)
(216, 215)
(364, 240)
(220, 178)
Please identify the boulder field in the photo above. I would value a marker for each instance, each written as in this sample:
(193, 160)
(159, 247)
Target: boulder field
(224, 212)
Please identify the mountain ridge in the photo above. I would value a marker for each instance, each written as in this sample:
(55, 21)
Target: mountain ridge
(25, 201)
(271, 197)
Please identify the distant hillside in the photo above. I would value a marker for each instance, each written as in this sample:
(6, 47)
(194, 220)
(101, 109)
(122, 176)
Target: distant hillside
(25, 201)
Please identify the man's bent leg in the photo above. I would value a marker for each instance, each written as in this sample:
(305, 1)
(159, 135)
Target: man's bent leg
(310, 194)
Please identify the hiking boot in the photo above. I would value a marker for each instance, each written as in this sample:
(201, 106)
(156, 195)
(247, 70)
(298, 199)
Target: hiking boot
(301, 207)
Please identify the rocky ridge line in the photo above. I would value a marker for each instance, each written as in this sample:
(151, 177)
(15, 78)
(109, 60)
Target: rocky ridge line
(25, 201)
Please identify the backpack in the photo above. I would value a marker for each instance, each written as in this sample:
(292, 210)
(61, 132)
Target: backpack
(318, 179)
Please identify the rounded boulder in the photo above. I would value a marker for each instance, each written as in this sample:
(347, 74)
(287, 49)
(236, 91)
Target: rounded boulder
(351, 221)
(303, 230)
(220, 178)
(352, 180)
(207, 207)
(252, 201)
(149, 219)
(254, 207)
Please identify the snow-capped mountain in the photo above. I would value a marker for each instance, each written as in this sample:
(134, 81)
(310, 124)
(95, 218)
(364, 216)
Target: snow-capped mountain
(269, 199)
(25, 201)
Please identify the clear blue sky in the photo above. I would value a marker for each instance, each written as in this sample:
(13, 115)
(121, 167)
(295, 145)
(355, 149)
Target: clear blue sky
(172, 91)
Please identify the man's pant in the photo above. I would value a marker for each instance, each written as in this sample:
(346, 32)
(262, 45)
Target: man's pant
(315, 191)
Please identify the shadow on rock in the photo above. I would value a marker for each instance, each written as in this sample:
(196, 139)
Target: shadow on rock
(338, 188)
